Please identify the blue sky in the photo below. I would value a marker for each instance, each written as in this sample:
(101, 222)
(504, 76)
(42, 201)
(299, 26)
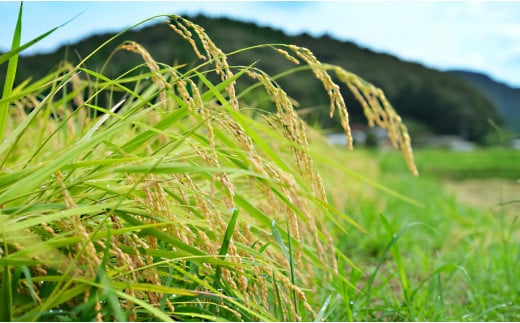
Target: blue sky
(476, 35)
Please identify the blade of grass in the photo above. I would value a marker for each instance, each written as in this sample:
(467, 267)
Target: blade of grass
(17, 50)
(39, 86)
(393, 240)
(11, 74)
(165, 123)
(152, 310)
(49, 218)
(278, 309)
(12, 56)
(98, 124)
(322, 310)
(181, 168)
(291, 264)
(448, 268)
(106, 282)
(29, 281)
(6, 295)
(225, 245)
(398, 259)
(214, 89)
(278, 237)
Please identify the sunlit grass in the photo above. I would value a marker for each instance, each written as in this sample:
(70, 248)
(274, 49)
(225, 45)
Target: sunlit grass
(456, 258)
(160, 195)
(153, 196)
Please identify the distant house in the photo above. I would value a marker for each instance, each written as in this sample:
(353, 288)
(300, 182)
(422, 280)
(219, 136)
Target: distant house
(359, 134)
(337, 139)
(362, 136)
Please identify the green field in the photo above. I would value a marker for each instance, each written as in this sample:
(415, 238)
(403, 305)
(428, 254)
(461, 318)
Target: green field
(453, 258)
(178, 201)
(478, 164)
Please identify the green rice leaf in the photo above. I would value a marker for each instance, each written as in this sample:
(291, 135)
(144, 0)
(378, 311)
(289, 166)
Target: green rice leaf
(278, 237)
(181, 168)
(225, 245)
(279, 310)
(397, 256)
(252, 210)
(16, 50)
(447, 268)
(29, 281)
(6, 296)
(215, 90)
(149, 308)
(229, 233)
(14, 226)
(156, 288)
(11, 73)
(323, 309)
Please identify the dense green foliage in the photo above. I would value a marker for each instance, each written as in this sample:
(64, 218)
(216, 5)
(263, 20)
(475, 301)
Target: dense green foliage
(439, 100)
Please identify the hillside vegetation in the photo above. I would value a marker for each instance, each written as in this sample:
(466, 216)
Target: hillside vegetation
(442, 102)
(505, 98)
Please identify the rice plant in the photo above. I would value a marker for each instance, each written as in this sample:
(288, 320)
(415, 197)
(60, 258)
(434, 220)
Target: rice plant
(172, 201)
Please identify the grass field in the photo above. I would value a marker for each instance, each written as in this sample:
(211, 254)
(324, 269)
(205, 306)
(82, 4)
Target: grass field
(478, 164)
(454, 257)
(175, 201)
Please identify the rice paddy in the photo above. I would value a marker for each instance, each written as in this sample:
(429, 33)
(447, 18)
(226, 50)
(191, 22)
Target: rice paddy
(160, 195)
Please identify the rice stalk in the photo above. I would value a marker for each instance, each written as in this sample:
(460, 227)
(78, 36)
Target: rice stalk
(379, 111)
(214, 54)
(182, 206)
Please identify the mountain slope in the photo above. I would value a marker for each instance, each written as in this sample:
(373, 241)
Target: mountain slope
(439, 100)
(505, 98)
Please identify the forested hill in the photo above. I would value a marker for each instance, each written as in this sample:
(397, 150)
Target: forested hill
(505, 98)
(441, 101)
